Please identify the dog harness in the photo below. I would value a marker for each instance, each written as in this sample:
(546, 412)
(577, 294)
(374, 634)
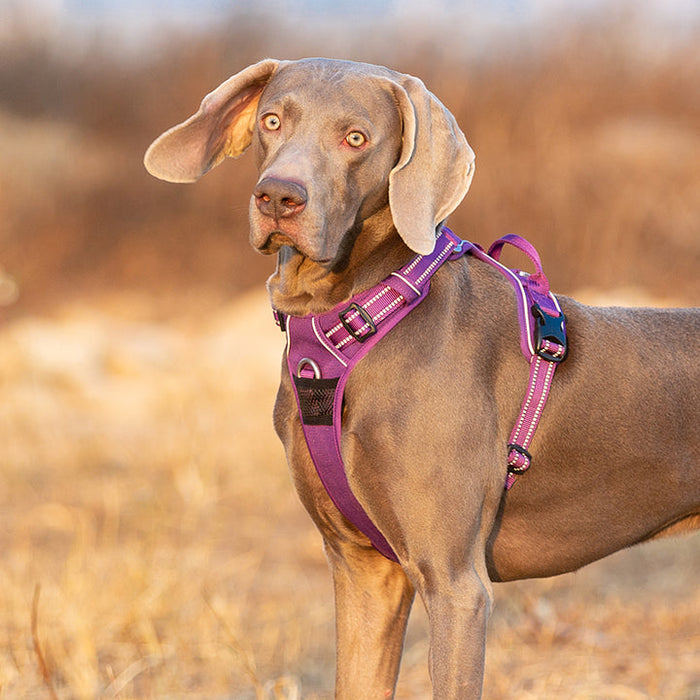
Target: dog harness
(323, 349)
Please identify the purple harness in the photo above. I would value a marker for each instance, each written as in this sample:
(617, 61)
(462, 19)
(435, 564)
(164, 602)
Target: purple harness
(322, 351)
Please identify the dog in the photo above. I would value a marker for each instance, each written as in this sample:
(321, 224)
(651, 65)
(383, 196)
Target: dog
(359, 166)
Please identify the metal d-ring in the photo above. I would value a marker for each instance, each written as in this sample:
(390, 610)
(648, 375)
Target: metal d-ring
(314, 366)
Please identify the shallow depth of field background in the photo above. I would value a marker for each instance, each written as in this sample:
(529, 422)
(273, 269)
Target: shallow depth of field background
(151, 543)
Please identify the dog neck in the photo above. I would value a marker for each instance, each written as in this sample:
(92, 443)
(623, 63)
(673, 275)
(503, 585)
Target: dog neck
(367, 254)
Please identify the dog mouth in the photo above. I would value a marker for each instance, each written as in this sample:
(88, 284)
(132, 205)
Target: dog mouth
(274, 241)
(277, 240)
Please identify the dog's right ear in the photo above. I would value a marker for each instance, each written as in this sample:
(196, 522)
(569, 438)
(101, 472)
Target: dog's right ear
(223, 126)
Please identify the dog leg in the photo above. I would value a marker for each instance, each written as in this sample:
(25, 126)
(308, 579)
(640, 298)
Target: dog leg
(373, 598)
(458, 612)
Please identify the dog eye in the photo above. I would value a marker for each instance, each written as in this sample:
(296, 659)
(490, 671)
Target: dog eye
(356, 139)
(271, 122)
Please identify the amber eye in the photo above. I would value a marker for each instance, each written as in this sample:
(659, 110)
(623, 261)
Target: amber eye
(271, 122)
(356, 139)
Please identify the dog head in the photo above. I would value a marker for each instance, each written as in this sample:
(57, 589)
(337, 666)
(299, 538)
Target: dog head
(334, 141)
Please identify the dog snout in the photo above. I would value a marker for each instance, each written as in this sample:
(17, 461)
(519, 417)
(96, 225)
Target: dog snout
(279, 199)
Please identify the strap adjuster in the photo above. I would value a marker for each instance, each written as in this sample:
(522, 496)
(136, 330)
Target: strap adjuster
(520, 462)
(550, 330)
(362, 333)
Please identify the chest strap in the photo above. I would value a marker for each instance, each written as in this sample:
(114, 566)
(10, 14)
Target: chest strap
(323, 349)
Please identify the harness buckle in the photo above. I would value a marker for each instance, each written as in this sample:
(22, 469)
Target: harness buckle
(549, 329)
(280, 320)
(359, 336)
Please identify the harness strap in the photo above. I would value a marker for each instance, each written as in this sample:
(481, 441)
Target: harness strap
(322, 351)
(542, 342)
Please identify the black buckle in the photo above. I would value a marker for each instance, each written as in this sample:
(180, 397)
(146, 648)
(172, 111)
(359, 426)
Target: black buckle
(360, 338)
(280, 320)
(549, 328)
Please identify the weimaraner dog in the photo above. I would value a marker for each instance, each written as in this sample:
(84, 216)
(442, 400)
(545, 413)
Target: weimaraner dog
(358, 168)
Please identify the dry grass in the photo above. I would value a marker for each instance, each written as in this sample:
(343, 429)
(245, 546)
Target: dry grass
(144, 491)
(152, 545)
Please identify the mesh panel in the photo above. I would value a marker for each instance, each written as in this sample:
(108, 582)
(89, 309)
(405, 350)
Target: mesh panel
(316, 400)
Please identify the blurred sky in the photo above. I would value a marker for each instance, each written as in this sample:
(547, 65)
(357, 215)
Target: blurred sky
(135, 21)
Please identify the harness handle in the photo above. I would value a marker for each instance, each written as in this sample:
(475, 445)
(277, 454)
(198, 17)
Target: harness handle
(539, 280)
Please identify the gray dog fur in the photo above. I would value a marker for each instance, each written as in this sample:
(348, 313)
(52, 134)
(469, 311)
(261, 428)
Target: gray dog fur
(616, 453)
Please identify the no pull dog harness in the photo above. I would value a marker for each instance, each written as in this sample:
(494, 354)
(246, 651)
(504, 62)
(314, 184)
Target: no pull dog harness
(322, 351)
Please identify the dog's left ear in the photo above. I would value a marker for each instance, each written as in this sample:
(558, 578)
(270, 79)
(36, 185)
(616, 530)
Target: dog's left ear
(222, 127)
(434, 170)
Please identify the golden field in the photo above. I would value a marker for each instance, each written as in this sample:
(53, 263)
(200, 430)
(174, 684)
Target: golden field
(152, 543)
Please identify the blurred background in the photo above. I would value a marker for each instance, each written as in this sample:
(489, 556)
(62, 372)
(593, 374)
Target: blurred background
(152, 544)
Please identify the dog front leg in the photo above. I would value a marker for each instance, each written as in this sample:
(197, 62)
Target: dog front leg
(452, 579)
(373, 598)
(458, 612)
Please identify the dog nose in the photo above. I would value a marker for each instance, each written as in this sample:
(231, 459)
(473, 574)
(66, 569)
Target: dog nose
(279, 199)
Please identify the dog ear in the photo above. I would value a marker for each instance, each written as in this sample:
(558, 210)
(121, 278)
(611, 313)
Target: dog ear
(434, 170)
(222, 126)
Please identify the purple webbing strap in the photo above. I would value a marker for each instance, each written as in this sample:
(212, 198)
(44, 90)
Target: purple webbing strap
(328, 346)
(543, 352)
(541, 375)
